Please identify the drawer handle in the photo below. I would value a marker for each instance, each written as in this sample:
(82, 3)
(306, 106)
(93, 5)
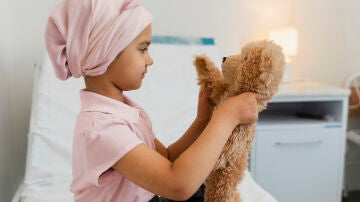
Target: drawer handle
(299, 143)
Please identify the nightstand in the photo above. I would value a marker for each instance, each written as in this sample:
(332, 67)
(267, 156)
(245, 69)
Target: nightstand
(299, 146)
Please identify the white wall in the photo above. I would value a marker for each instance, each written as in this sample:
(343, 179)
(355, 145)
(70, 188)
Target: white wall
(352, 29)
(4, 168)
(328, 33)
(328, 49)
(328, 29)
(21, 45)
(5, 139)
(323, 41)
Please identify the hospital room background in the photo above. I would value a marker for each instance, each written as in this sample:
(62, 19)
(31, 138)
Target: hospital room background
(326, 51)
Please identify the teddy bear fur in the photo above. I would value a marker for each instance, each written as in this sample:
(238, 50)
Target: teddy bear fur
(258, 68)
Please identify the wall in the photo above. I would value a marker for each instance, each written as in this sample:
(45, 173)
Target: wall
(21, 45)
(5, 140)
(352, 29)
(193, 15)
(8, 179)
(323, 41)
(327, 29)
(327, 52)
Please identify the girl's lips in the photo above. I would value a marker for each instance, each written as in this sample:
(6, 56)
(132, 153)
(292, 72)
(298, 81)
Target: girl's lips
(143, 74)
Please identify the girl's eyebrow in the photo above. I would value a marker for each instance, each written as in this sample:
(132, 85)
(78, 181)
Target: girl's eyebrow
(145, 42)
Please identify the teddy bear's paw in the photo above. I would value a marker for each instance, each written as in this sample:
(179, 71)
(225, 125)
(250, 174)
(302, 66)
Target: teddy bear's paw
(201, 63)
(208, 74)
(237, 197)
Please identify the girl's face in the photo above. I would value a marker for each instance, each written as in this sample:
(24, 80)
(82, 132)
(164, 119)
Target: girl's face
(128, 69)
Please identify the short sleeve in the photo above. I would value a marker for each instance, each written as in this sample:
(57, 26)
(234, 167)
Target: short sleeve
(108, 142)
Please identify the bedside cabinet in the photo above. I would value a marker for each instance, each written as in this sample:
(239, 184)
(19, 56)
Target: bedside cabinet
(299, 146)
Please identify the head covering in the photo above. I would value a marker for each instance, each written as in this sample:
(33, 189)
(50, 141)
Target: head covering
(83, 37)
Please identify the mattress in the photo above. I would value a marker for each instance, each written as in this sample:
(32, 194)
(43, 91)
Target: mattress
(168, 94)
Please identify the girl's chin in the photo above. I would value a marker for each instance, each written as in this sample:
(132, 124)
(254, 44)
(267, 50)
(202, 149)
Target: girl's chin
(134, 86)
(138, 85)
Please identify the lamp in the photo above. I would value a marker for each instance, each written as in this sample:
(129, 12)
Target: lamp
(287, 39)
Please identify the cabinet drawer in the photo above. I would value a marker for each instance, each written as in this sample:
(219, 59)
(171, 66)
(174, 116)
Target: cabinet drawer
(299, 165)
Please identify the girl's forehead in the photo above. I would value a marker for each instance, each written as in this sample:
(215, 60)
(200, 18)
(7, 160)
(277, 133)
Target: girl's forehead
(144, 36)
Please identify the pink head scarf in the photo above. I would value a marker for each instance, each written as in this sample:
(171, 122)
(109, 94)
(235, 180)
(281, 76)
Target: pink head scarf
(84, 36)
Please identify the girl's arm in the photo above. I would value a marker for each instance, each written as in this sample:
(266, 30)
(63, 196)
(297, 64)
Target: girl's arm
(178, 147)
(178, 180)
(204, 112)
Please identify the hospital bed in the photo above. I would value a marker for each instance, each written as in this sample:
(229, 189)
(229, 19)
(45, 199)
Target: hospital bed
(169, 95)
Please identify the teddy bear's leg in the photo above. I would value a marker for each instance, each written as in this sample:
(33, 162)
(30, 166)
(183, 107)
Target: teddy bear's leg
(221, 185)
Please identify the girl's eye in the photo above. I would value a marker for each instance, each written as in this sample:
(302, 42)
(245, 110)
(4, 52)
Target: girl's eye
(143, 50)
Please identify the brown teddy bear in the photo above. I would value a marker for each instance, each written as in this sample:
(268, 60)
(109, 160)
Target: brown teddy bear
(259, 68)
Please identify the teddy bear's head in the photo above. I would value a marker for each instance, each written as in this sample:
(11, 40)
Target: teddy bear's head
(258, 68)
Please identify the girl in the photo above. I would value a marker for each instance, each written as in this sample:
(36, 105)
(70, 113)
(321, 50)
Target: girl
(116, 156)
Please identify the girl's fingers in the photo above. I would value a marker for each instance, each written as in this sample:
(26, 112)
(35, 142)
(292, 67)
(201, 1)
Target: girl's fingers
(260, 97)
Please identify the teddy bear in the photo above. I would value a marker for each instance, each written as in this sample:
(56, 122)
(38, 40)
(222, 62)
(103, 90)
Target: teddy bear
(258, 68)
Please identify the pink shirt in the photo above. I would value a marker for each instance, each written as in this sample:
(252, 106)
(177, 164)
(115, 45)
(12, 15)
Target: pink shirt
(106, 130)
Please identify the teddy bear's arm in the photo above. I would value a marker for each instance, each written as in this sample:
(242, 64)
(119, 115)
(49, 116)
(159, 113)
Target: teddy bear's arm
(210, 75)
(206, 70)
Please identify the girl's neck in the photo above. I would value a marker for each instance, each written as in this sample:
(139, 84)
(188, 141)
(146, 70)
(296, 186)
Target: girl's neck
(102, 87)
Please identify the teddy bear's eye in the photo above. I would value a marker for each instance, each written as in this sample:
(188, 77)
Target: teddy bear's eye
(245, 58)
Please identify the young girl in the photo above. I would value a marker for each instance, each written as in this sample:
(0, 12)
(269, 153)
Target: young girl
(116, 156)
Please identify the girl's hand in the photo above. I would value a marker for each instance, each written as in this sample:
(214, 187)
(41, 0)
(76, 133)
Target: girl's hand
(205, 107)
(240, 109)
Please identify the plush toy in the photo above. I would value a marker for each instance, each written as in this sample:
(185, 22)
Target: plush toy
(259, 68)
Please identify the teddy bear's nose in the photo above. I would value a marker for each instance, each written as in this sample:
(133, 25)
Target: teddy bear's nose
(224, 58)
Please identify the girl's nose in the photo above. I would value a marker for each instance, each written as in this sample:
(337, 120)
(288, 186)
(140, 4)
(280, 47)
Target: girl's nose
(149, 61)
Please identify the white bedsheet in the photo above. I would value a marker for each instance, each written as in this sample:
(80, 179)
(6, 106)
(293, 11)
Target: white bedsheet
(169, 95)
